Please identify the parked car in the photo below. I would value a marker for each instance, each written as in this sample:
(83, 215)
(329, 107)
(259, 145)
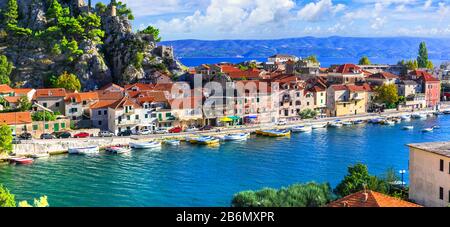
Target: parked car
(125, 133)
(192, 129)
(145, 132)
(281, 122)
(105, 134)
(62, 135)
(206, 128)
(25, 136)
(47, 136)
(16, 140)
(161, 131)
(175, 130)
(82, 135)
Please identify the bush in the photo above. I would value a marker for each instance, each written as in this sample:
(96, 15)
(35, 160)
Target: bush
(41, 115)
(6, 198)
(5, 139)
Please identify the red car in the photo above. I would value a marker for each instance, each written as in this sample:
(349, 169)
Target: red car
(82, 135)
(176, 130)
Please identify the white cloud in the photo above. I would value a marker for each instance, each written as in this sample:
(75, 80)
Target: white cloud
(316, 11)
(427, 4)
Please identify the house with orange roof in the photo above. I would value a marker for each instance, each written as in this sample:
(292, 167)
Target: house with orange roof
(347, 99)
(429, 85)
(51, 98)
(6, 90)
(111, 87)
(28, 92)
(188, 111)
(370, 198)
(346, 74)
(382, 78)
(77, 107)
(18, 121)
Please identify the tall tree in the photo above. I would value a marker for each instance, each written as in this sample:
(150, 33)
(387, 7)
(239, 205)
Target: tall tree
(12, 13)
(387, 94)
(24, 104)
(422, 58)
(6, 68)
(357, 179)
(5, 139)
(150, 30)
(68, 81)
(364, 61)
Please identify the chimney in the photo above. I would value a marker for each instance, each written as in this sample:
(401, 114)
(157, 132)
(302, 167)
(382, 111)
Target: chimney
(366, 195)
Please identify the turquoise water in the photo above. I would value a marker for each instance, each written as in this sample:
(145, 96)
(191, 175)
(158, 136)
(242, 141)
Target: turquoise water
(202, 176)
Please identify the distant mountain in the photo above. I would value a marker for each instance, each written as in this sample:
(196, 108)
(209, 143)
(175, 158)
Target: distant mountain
(331, 47)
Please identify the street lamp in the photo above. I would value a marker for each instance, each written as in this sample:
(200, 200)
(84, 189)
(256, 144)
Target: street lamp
(402, 172)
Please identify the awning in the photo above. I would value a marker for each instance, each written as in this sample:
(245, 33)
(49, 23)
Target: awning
(226, 119)
(235, 118)
(252, 117)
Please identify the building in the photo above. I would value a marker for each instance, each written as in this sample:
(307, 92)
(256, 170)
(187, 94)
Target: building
(370, 199)
(382, 78)
(6, 90)
(78, 108)
(348, 99)
(429, 174)
(282, 58)
(53, 99)
(18, 121)
(346, 74)
(407, 88)
(430, 86)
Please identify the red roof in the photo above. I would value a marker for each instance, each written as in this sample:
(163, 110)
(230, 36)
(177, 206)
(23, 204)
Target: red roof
(339, 87)
(349, 69)
(229, 69)
(4, 88)
(22, 91)
(383, 75)
(425, 76)
(248, 74)
(16, 118)
(52, 92)
(83, 96)
(102, 104)
(370, 199)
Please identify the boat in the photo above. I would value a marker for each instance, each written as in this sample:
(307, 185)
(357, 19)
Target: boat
(84, 150)
(40, 155)
(358, 122)
(446, 112)
(436, 127)
(279, 133)
(196, 140)
(335, 125)
(236, 137)
(408, 127)
(207, 140)
(389, 122)
(405, 117)
(118, 150)
(301, 128)
(419, 116)
(347, 123)
(145, 145)
(376, 120)
(427, 130)
(319, 126)
(173, 142)
(397, 120)
(22, 161)
(264, 132)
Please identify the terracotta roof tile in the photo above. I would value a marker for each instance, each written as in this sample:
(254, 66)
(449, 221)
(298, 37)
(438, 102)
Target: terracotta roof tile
(370, 199)
(52, 92)
(102, 104)
(16, 118)
(4, 88)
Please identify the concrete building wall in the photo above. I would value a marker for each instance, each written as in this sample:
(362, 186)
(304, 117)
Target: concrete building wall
(426, 178)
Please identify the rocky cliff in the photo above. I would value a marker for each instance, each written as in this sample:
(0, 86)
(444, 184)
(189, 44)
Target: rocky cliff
(120, 55)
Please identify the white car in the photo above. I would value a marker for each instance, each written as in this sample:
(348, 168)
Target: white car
(193, 129)
(145, 132)
(161, 131)
(105, 134)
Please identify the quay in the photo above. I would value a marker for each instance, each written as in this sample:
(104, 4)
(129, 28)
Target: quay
(61, 146)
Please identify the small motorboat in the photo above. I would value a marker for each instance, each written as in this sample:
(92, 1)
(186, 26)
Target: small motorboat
(207, 140)
(436, 127)
(22, 161)
(408, 127)
(173, 142)
(146, 145)
(419, 116)
(446, 112)
(335, 125)
(236, 137)
(405, 117)
(389, 123)
(358, 122)
(302, 128)
(427, 130)
(40, 155)
(319, 126)
(347, 123)
(279, 133)
(397, 120)
(84, 150)
(118, 150)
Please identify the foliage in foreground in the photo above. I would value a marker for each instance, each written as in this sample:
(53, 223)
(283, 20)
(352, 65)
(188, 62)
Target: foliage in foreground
(299, 195)
(8, 200)
(5, 139)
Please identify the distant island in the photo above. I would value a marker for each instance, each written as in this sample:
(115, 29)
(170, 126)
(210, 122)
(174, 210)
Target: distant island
(330, 47)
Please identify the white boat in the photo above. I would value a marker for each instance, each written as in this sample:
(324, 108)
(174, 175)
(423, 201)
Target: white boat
(405, 117)
(302, 128)
(319, 126)
(236, 137)
(145, 145)
(40, 155)
(207, 140)
(409, 127)
(347, 123)
(118, 150)
(389, 123)
(397, 120)
(376, 120)
(173, 142)
(436, 127)
(335, 125)
(358, 122)
(84, 150)
(419, 116)
(427, 130)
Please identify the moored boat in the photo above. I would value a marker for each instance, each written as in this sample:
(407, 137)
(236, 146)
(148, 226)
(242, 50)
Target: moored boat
(118, 150)
(146, 145)
(347, 123)
(40, 155)
(279, 133)
(376, 120)
(84, 150)
(22, 161)
(236, 137)
(304, 128)
(436, 127)
(358, 122)
(408, 127)
(419, 116)
(208, 140)
(389, 122)
(319, 126)
(446, 112)
(173, 142)
(335, 125)
(427, 130)
(405, 117)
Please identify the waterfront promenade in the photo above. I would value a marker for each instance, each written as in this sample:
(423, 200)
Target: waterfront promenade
(60, 146)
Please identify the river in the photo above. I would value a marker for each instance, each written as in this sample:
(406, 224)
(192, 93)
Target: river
(202, 176)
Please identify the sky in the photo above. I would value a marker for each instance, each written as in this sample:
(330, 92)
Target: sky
(273, 19)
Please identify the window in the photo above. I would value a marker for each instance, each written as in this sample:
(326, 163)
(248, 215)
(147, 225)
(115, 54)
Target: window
(46, 126)
(44, 104)
(137, 117)
(128, 117)
(441, 165)
(441, 193)
(99, 122)
(99, 112)
(63, 125)
(35, 127)
(168, 114)
(105, 112)
(57, 104)
(84, 102)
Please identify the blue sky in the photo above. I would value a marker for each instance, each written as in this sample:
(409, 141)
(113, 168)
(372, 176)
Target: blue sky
(269, 19)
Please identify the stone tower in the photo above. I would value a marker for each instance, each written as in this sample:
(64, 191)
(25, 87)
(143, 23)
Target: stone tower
(113, 9)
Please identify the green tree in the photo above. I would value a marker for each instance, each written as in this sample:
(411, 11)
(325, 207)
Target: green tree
(43, 115)
(12, 13)
(312, 58)
(6, 68)
(55, 11)
(387, 94)
(6, 198)
(100, 7)
(41, 202)
(24, 104)
(364, 61)
(299, 195)
(422, 58)
(123, 10)
(68, 81)
(308, 114)
(5, 139)
(138, 59)
(150, 30)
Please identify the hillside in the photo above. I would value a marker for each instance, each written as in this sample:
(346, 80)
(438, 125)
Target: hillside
(331, 47)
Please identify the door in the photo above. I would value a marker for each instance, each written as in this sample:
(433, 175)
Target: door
(56, 127)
